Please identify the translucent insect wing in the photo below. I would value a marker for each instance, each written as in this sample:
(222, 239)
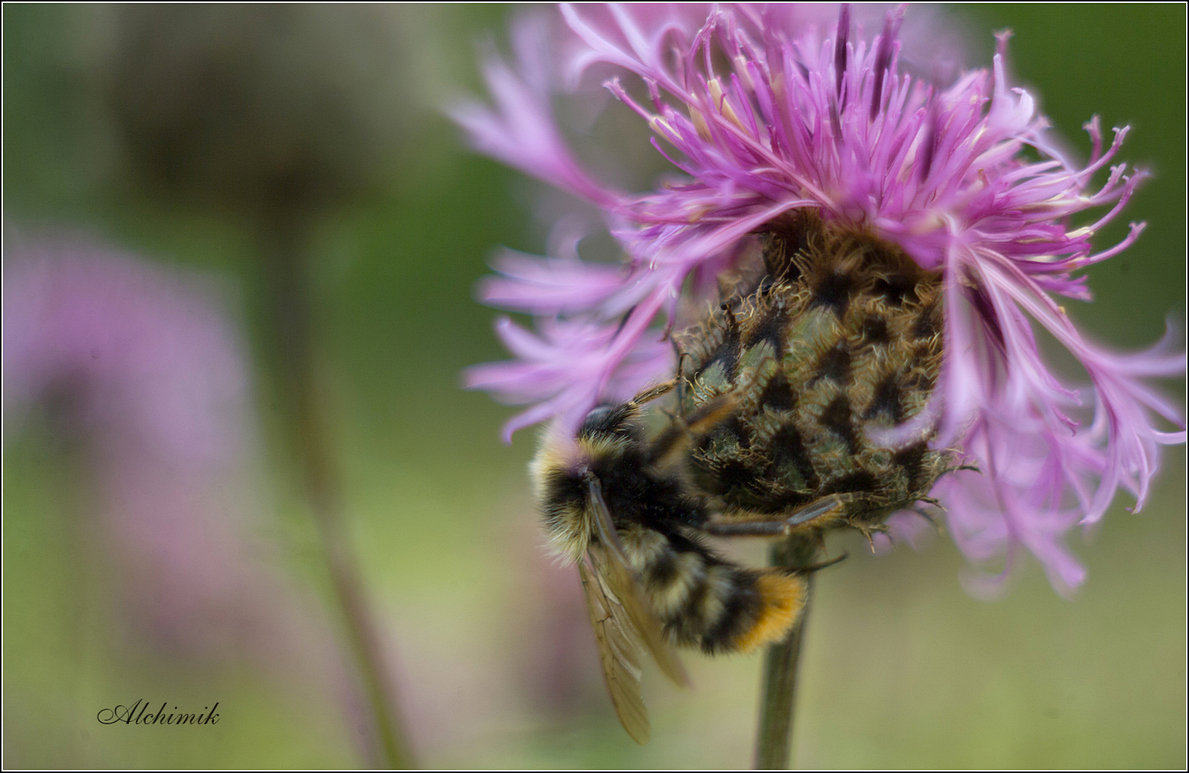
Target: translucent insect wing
(619, 656)
(612, 568)
(622, 623)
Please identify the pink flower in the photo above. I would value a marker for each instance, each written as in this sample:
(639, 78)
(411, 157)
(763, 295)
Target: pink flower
(143, 375)
(762, 111)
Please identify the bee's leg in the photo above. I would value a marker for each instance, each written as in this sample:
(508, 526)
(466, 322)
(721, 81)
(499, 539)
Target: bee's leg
(820, 512)
(683, 383)
(654, 392)
(868, 530)
(927, 515)
(681, 358)
(823, 564)
(685, 428)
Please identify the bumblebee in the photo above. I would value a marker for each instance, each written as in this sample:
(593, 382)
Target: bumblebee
(780, 398)
(648, 578)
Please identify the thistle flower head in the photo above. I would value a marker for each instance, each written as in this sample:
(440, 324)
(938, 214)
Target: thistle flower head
(762, 113)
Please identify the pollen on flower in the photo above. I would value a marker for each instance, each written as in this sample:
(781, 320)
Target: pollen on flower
(718, 96)
(699, 124)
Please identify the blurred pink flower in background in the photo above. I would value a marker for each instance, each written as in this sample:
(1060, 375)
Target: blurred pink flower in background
(142, 378)
(760, 111)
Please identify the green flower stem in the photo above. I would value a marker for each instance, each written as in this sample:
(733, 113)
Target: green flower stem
(290, 333)
(779, 686)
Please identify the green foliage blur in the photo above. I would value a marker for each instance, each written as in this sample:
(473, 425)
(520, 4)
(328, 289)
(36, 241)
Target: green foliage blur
(493, 659)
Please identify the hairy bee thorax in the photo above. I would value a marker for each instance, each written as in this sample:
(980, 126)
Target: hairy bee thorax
(610, 451)
(842, 335)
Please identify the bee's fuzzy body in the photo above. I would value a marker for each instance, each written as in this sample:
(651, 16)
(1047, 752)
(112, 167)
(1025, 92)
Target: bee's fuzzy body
(802, 406)
(701, 599)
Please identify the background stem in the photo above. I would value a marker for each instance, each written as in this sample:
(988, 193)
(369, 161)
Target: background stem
(290, 326)
(779, 682)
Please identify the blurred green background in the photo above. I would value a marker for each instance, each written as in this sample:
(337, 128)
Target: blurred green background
(487, 640)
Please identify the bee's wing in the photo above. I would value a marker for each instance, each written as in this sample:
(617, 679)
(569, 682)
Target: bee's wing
(621, 621)
(613, 567)
(619, 655)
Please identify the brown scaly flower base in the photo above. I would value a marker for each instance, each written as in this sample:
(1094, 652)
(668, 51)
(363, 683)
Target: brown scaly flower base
(842, 335)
